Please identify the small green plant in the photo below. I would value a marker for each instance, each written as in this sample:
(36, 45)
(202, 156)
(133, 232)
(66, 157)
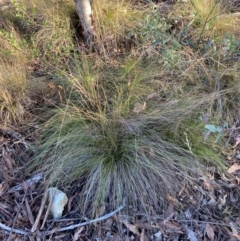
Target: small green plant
(153, 31)
(12, 40)
(210, 128)
(155, 39)
(231, 46)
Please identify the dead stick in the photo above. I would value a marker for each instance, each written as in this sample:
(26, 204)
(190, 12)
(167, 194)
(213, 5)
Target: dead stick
(48, 209)
(14, 230)
(88, 222)
(35, 225)
(18, 231)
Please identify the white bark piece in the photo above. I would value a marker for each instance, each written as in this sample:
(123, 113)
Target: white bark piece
(84, 11)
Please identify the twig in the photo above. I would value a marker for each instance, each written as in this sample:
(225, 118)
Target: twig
(14, 230)
(48, 209)
(44, 200)
(16, 216)
(18, 231)
(88, 222)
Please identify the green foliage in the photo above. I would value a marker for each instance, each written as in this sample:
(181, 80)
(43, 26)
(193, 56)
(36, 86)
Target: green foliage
(115, 151)
(153, 29)
(192, 135)
(126, 123)
(231, 46)
(23, 12)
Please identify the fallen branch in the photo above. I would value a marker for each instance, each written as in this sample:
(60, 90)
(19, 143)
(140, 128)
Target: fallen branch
(18, 231)
(33, 180)
(86, 223)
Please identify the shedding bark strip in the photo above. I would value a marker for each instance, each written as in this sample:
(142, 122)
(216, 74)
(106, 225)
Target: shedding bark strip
(84, 11)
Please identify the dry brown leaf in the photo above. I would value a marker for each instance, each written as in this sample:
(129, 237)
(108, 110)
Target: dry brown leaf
(143, 237)
(152, 95)
(222, 201)
(146, 225)
(116, 237)
(29, 212)
(107, 225)
(131, 227)
(234, 231)
(172, 226)
(9, 162)
(210, 232)
(237, 139)
(139, 107)
(37, 220)
(5, 206)
(126, 238)
(235, 167)
(237, 180)
(3, 186)
(100, 211)
(25, 186)
(170, 210)
(152, 152)
(208, 186)
(77, 233)
(69, 205)
(172, 199)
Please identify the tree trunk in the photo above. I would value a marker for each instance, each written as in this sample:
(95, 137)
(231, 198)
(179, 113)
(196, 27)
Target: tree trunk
(84, 11)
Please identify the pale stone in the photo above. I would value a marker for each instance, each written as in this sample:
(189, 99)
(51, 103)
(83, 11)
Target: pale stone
(57, 200)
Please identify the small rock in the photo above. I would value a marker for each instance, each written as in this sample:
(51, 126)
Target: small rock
(59, 200)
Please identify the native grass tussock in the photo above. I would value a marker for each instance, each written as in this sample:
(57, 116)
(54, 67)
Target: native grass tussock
(128, 120)
(111, 146)
(14, 100)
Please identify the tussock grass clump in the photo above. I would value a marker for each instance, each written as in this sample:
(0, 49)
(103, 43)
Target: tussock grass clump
(14, 100)
(13, 92)
(116, 143)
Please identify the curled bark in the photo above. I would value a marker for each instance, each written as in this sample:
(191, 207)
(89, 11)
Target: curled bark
(84, 11)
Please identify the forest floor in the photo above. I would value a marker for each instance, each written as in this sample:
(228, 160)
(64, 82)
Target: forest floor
(206, 209)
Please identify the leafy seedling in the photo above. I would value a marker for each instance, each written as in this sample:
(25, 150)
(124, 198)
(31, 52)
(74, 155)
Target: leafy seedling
(209, 128)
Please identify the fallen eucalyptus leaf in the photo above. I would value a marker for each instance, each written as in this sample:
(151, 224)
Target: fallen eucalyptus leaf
(139, 107)
(235, 167)
(209, 232)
